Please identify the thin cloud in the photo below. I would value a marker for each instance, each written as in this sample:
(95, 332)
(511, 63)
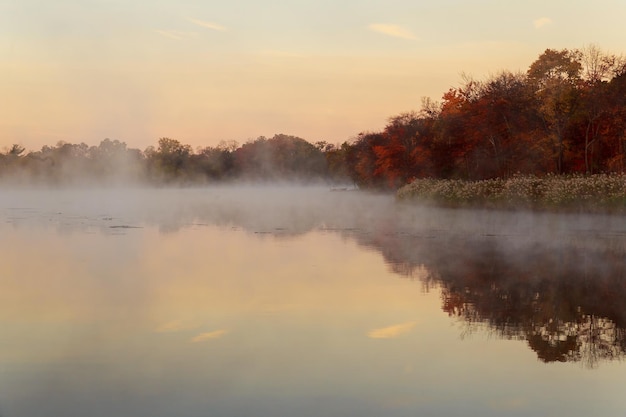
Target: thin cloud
(172, 34)
(216, 334)
(208, 25)
(541, 22)
(393, 30)
(391, 332)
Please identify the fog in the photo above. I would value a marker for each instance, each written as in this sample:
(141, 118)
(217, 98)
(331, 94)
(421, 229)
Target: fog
(292, 209)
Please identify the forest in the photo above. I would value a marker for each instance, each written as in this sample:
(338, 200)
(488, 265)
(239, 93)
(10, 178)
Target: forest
(565, 115)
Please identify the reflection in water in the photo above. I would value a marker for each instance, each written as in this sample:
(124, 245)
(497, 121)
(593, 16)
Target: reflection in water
(391, 331)
(556, 281)
(563, 296)
(270, 302)
(565, 303)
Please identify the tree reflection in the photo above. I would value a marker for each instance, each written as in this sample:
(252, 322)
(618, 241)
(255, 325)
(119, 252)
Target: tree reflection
(566, 300)
(558, 289)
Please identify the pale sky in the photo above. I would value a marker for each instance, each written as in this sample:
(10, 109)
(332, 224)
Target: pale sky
(205, 71)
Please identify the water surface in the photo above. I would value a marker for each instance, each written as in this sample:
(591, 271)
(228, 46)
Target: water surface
(283, 301)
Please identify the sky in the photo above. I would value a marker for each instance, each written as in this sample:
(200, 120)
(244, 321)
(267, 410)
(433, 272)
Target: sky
(203, 72)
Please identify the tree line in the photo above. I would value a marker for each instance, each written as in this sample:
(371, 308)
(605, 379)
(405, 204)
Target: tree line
(281, 157)
(566, 114)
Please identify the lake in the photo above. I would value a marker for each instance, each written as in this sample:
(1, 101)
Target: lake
(303, 301)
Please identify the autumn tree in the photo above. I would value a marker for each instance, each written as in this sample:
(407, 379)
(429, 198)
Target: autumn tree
(361, 160)
(555, 77)
(502, 124)
(616, 96)
(598, 68)
(455, 133)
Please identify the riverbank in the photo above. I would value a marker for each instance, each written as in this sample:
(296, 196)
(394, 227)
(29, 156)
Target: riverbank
(592, 193)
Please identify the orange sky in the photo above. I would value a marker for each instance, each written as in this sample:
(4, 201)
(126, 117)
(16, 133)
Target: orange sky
(202, 72)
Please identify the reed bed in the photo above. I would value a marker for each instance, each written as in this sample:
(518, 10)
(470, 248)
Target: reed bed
(592, 193)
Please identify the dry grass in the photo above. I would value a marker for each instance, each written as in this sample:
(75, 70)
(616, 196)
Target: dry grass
(594, 193)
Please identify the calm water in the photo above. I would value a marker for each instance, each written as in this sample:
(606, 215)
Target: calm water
(304, 302)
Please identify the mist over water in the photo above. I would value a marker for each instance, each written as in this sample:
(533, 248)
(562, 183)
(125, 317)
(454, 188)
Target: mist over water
(253, 299)
(292, 209)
